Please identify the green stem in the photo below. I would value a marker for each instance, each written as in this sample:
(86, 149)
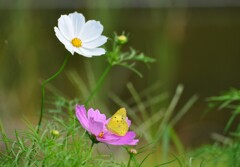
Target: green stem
(43, 89)
(98, 85)
(91, 146)
(129, 161)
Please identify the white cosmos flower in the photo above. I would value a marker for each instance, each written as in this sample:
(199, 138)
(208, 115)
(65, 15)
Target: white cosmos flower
(79, 36)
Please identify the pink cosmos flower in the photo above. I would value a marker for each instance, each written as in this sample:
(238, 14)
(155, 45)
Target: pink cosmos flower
(95, 123)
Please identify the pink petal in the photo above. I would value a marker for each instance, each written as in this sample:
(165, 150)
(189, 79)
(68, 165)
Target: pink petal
(101, 117)
(128, 139)
(82, 116)
(128, 122)
(112, 139)
(95, 127)
(96, 121)
(91, 113)
(96, 115)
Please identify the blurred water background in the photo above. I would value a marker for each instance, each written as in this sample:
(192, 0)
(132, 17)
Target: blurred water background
(196, 43)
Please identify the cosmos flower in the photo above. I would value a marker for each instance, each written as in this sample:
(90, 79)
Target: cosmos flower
(79, 36)
(96, 125)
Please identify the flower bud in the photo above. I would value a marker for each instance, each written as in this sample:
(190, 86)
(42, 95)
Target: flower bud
(122, 39)
(132, 151)
(55, 132)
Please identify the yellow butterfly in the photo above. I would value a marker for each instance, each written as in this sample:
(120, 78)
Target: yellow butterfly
(118, 124)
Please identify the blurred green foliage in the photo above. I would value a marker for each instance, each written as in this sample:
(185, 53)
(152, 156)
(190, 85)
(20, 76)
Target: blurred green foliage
(198, 47)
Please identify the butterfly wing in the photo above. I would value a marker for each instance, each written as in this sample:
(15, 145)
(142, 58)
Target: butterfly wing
(118, 124)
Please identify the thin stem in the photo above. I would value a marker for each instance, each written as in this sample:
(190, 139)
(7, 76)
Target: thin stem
(91, 146)
(98, 85)
(129, 161)
(43, 89)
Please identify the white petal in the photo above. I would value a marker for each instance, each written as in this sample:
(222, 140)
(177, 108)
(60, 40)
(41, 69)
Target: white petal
(62, 39)
(60, 36)
(95, 43)
(66, 27)
(70, 48)
(79, 51)
(91, 30)
(78, 21)
(92, 52)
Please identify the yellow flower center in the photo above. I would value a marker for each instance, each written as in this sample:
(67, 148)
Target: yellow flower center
(76, 42)
(101, 135)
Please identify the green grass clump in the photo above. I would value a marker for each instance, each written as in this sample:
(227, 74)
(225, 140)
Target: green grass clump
(225, 152)
(66, 146)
